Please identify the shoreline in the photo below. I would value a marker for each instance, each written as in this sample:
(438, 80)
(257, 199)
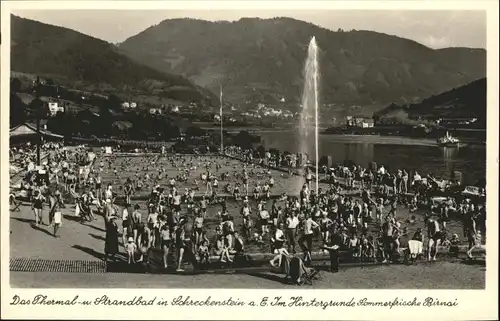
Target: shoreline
(379, 139)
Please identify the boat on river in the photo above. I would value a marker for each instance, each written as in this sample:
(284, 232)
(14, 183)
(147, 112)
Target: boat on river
(448, 141)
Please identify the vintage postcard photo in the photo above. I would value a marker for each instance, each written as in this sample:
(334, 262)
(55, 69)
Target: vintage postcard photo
(249, 148)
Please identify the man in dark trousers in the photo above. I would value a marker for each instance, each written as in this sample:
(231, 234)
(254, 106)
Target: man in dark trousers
(334, 257)
(333, 248)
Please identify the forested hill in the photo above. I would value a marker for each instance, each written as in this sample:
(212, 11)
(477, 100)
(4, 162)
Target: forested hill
(85, 62)
(467, 101)
(262, 60)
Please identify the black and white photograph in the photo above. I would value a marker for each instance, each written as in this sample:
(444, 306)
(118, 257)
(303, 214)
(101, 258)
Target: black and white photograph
(248, 149)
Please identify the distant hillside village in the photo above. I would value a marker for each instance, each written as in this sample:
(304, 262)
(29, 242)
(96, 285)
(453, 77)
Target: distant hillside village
(121, 112)
(59, 99)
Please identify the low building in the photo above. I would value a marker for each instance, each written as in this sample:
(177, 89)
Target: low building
(368, 123)
(359, 122)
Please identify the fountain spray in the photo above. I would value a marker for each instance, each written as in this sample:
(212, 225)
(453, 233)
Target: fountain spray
(316, 136)
(310, 104)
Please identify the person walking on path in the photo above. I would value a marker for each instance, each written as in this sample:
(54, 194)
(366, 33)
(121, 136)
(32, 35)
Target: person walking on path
(37, 206)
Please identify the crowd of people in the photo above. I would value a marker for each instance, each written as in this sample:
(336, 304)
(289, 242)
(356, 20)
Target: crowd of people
(358, 210)
(50, 184)
(330, 216)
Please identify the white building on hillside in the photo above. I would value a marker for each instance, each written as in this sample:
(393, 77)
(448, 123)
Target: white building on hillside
(367, 123)
(129, 105)
(54, 108)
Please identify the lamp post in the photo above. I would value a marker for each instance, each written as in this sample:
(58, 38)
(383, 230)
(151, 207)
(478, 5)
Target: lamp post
(38, 112)
(221, 132)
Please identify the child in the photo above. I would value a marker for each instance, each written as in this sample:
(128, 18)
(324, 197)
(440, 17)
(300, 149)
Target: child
(454, 242)
(354, 245)
(131, 247)
(370, 248)
(364, 244)
(198, 228)
(381, 247)
(256, 192)
(413, 205)
(236, 192)
(203, 253)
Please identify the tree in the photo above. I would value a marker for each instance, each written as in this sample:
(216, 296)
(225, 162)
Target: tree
(15, 85)
(261, 150)
(17, 110)
(195, 131)
(243, 139)
(58, 123)
(114, 102)
(39, 108)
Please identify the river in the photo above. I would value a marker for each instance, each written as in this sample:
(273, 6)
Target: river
(393, 152)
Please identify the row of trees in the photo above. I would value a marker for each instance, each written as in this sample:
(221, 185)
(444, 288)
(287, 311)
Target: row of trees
(105, 124)
(109, 120)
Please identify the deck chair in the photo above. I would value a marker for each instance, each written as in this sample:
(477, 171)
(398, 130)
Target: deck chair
(12, 201)
(414, 250)
(299, 273)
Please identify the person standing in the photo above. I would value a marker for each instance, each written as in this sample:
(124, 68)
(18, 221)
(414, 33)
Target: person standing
(109, 193)
(291, 229)
(388, 228)
(98, 186)
(333, 250)
(279, 237)
(399, 182)
(111, 240)
(128, 190)
(126, 225)
(55, 215)
(166, 242)
(37, 206)
(180, 243)
(135, 223)
(404, 185)
(308, 226)
(470, 232)
(436, 237)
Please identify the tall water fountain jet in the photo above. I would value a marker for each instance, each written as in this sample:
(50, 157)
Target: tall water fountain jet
(310, 107)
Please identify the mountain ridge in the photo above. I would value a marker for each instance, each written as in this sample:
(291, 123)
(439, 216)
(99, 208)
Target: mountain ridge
(262, 59)
(468, 101)
(80, 60)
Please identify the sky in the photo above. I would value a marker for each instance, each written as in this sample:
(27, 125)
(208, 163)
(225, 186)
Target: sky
(435, 29)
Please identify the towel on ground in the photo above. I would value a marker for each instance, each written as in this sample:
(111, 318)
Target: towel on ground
(415, 247)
